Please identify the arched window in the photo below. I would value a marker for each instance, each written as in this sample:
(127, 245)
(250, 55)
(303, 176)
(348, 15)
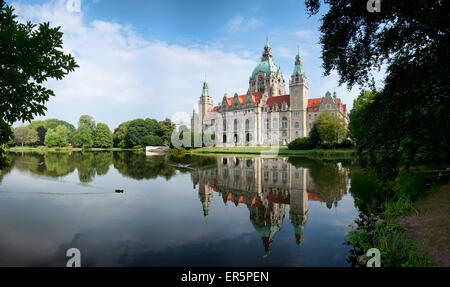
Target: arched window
(284, 123)
(275, 123)
(297, 125)
(267, 124)
(235, 124)
(284, 134)
(224, 125)
(275, 107)
(284, 106)
(247, 124)
(296, 134)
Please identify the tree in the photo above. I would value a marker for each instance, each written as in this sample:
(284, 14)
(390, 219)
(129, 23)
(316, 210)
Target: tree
(411, 39)
(51, 138)
(88, 121)
(41, 131)
(136, 130)
(32, 137)
(62, 133)
(152, 140)
(20, 134)
(102, 136)
(119, 135)
(165, 129)
(314, 135)
(83, 137)
(331, 128)
(29, 56)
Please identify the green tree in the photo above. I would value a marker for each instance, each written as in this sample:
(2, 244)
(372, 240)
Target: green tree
(41, 131)
(331, 128)
(29, 56)
(86, 120)
(315, 136)
(411, 40)
(20, 135)
(102, 136)
(119, 135)
(83, 137)
(165, 129)
(62, 133)
(152, 140)
(32, 137)
(136, 131)
(51, 138)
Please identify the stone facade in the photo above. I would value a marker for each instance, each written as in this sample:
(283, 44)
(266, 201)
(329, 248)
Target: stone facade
(265, 114)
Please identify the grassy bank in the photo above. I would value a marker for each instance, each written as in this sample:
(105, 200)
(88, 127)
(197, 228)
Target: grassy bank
(281, 150)
(61, 149)
(394, 229)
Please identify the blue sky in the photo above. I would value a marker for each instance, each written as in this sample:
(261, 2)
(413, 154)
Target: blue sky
(142, 59)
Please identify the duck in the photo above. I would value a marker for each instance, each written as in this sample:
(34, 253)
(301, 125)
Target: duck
(119, 190)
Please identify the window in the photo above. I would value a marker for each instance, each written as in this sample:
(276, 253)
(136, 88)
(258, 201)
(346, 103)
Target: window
(284, 106)
(275, 123)
(275, 107)
(275, 176)
(224, 139)
(284, 123)
(224, 125)
(309, 116)
(297, 125)
(309, 125)
(247, 124)
(235, 124)
(315, 116)
(248, 137)
(267, 124)
(284, 134)
(296, 134)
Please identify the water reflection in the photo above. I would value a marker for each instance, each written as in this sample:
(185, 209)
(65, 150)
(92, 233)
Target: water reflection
(269, 188)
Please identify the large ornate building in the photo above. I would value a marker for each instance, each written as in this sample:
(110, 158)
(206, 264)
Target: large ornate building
(265, 114)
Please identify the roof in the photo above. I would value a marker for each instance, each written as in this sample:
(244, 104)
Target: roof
(278, 100)
(267, 67)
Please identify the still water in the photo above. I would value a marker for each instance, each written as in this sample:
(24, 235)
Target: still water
(190, 211)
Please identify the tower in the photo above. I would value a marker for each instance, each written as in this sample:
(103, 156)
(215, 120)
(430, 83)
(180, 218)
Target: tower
(298, 89)
(205, 104)
(267, 76)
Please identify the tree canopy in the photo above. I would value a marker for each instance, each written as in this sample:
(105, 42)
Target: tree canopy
(407, 121)
(102, 136)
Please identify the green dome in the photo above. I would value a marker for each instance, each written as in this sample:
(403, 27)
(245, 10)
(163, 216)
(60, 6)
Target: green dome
(266, 231)
(267, 67)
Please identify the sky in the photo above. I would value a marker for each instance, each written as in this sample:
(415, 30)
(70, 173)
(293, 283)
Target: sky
(148, 59)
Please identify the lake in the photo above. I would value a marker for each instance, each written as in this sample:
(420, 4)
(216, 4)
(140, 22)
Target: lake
(189, 211)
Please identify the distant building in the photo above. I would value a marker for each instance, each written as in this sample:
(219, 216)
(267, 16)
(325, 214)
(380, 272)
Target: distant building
(265, 114)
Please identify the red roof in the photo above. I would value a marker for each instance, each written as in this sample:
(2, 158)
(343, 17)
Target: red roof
(278, 101)
(215, 109)
(256, 97)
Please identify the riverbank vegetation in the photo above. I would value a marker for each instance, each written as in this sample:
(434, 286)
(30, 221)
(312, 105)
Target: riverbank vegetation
(397, 125)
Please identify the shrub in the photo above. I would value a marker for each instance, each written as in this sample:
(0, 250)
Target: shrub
(301, 144)
(345, 144)
(327, 146)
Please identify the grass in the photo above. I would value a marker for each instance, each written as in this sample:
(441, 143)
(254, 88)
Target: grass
(276, 150)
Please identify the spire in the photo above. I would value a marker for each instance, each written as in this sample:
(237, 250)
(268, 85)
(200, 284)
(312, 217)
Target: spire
(298, 68)
(205, 90)
(267, 54)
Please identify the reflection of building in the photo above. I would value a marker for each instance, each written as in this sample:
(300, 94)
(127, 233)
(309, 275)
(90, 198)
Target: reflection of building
(265, 186)
(266, 113)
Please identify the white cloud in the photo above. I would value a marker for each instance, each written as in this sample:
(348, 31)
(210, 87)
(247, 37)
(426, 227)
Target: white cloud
(123, 76)
(307, 35)
(239, 23)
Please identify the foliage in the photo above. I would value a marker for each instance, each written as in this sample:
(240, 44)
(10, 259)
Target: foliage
(119, 135)
(20, 134)
(301, 144)
(331, 128)
(165, 129)
(83, 137)
(86, 120)
(314, 135)
(51, 124)
(41, 131)
(57, 137)
(29, 56)
(32, 137)
(152, 140)
(410, 40)
(102, 136)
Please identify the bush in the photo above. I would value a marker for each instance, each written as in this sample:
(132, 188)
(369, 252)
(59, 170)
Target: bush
(301, 144)
(327, 146)
(345, 144)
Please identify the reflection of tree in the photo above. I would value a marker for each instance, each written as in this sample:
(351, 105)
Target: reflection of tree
(102, 161)
(138, 166)
(366, 190)
(57, 164)
(84, 162)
